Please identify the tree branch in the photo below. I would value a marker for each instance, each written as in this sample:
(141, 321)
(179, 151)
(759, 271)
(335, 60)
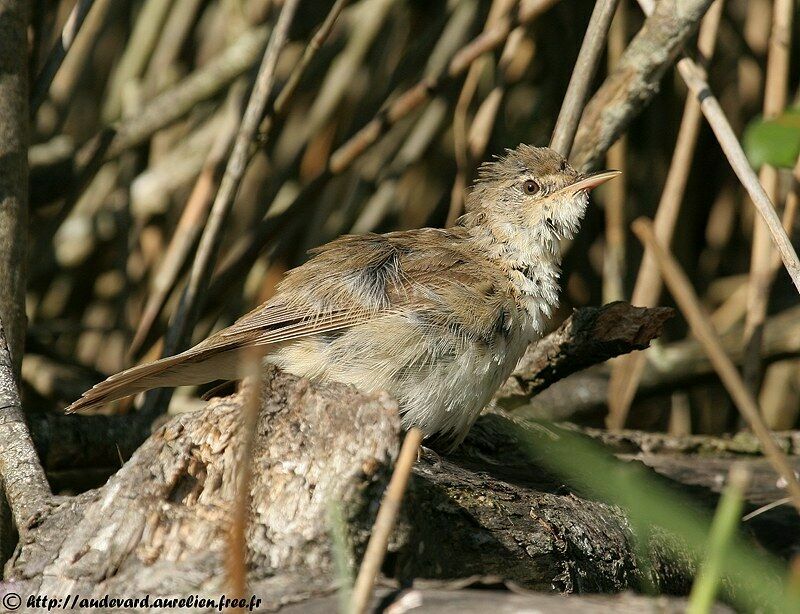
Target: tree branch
(25, 484)
(14, 15)
(589, 336)
(635, 81)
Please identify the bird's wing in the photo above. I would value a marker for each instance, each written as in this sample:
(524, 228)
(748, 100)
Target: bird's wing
(355, 279)
(425, 274)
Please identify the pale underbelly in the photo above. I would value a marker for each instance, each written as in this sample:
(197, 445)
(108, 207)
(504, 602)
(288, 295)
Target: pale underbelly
(441, 382)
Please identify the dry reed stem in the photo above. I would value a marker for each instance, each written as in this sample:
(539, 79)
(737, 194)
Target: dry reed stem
(63, 84)
(615, 192)
(177, 28)
(189, 226)
(627, 370)
(681, 289)
(384, 522)
(789, 212)
(289, 89)
(57, 54)
(735, 306)
(136, 56)
(775, 96)
(236, 560)
(581, 79)
(205, 257)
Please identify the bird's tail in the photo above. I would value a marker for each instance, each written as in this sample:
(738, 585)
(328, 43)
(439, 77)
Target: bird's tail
(190, 367)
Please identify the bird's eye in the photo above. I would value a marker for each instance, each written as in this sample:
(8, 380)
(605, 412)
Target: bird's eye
(563, 165)
(530, 187)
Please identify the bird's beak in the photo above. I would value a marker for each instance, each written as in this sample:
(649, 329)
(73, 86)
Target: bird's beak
(592, 180)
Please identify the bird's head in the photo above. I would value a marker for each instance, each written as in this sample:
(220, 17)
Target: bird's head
(532, 190)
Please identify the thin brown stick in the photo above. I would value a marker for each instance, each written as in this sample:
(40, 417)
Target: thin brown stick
(615, 192)
(64, 82)
(177, 28)
(627, 371)
(23, 478)
(314, 45)
(57, 54)
(384, 522)
(192, 298)
(789, 211)
(681, 289)
(136, 56)
(775, 96)
(237, 539)
(581, 79)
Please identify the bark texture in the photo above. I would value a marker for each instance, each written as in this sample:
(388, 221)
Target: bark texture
(160, 524)
(14, 15)
(682, 363)
(636, 78)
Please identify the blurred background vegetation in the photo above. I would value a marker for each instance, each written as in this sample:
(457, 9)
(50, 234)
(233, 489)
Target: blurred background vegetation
(101, 289)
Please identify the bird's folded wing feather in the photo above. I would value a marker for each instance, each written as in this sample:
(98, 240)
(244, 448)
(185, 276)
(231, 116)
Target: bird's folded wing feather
(429, 276)
(355, 279)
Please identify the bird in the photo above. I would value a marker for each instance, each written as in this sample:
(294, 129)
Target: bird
(438, 318)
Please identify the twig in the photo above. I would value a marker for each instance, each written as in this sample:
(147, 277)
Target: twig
(176, 29)
(288, 90)
(62, 86)
(578, 89)
(14, 15)
(193, 296)
(57, 54)
(681, 289)
(237, 550)
(615, 192)
(636, 78)
(722, 533)
(627, 371)
(789, 211)
(765, 508)
(775, 95)
(384, 522)
(23, 478)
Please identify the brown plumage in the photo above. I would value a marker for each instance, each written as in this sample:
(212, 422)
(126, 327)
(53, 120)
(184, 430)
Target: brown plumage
(439, 318)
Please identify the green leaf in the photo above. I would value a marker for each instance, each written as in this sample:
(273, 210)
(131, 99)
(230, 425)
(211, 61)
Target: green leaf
(775, 141)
